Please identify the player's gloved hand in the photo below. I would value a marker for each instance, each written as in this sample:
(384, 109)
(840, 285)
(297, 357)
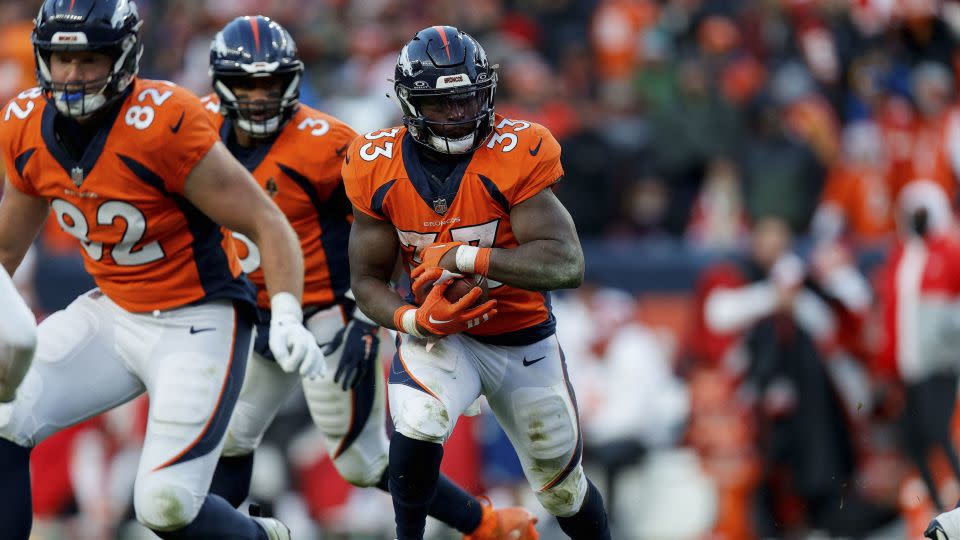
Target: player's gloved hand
(358, 343)
(423, 278)
(430, 257)
(440, 317)
(293, 346)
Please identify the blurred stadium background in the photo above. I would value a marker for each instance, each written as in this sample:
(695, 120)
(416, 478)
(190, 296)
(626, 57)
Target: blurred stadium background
(711, 148)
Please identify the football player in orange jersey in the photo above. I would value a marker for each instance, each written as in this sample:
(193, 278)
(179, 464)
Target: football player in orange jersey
(295, 153)
(18, 338)
(460, 189)
(133, 169)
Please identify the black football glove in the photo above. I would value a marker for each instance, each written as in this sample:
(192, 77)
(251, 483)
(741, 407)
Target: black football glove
(359, 342)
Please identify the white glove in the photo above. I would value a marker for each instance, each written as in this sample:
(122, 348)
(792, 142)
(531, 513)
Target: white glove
(292, 345)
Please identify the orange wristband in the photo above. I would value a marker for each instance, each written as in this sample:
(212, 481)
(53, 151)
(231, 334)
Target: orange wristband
(473, 260)
(398, 317)
(481, 264)
(404, 323)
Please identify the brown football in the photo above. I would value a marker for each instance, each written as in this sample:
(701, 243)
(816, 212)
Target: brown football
(463, 285)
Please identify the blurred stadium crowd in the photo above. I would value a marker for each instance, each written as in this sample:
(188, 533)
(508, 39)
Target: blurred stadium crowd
(768, 347)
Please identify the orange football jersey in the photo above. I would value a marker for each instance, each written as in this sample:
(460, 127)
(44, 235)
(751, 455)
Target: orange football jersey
(300, 169)
(146, 246)
(385, 179)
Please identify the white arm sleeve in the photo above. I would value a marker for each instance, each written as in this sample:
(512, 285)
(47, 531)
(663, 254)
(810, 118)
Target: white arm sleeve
(727, 310)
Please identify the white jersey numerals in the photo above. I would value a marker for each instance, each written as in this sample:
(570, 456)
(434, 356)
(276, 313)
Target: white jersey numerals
(124, 253)
(508, 141)
(22, 110)
(210, 104)
(370, 151)
(317, 126)
(483, 235)
(251, 262)
(141, 116)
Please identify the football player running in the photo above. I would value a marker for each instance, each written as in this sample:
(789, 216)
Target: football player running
(133, 169)
(295, 154)
(459, 189)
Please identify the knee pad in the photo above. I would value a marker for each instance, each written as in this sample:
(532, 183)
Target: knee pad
(17, 344)
(419, 415)
(162, 505)
(360, 467)
(330, 407)
(235, 445)
(565, 498)
(15, 360)
(546, 422)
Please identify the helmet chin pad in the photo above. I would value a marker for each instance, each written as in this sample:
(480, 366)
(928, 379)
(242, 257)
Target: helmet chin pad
(78, 104)
(260, 128)
(444, 145)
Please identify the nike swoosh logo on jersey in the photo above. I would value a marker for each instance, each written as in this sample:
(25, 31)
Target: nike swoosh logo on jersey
(532, 362)
(434, 321)
(536, 150)
(198, 330)
(342, 149)
(176, 127)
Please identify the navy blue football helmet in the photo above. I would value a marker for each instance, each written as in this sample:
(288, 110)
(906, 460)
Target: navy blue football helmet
(111, 27)
(445, 69)
(249, 48)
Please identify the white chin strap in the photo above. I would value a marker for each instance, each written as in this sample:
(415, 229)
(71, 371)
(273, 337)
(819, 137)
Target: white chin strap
(260, 128)
(450, 146)
(89, 104)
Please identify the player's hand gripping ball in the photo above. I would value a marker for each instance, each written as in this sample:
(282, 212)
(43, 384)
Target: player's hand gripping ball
(462, 284)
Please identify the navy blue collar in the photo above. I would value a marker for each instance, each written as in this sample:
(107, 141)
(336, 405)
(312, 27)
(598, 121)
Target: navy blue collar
(252, 157)
(439, 199)
(94, 148)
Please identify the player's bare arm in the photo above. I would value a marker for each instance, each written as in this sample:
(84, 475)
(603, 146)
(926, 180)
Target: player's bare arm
(21, 217)
(373, 257)
(549, 255)
(223, 189)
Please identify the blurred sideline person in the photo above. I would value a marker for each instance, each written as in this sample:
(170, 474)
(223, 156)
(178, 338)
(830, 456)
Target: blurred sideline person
(920, 291)
(459, 189)
(134, 171)
(295, 154)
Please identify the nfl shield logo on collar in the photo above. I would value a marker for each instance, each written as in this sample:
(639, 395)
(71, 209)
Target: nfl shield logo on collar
(440, 206)
(76, 174)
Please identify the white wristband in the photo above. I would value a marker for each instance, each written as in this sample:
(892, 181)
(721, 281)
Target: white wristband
(286, 304)
(467, 258)
(409, 322)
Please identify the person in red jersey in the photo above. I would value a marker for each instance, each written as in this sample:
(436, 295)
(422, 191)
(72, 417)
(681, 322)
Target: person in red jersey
(295, 154)
(134, 171)
(459, 189)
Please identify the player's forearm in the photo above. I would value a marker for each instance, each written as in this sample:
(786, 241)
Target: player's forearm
(538, 265)
(376, 299)
(281, 257)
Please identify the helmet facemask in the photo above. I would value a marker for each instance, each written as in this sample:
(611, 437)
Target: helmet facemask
(259, 118)
(451, 120)
(80, 100)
